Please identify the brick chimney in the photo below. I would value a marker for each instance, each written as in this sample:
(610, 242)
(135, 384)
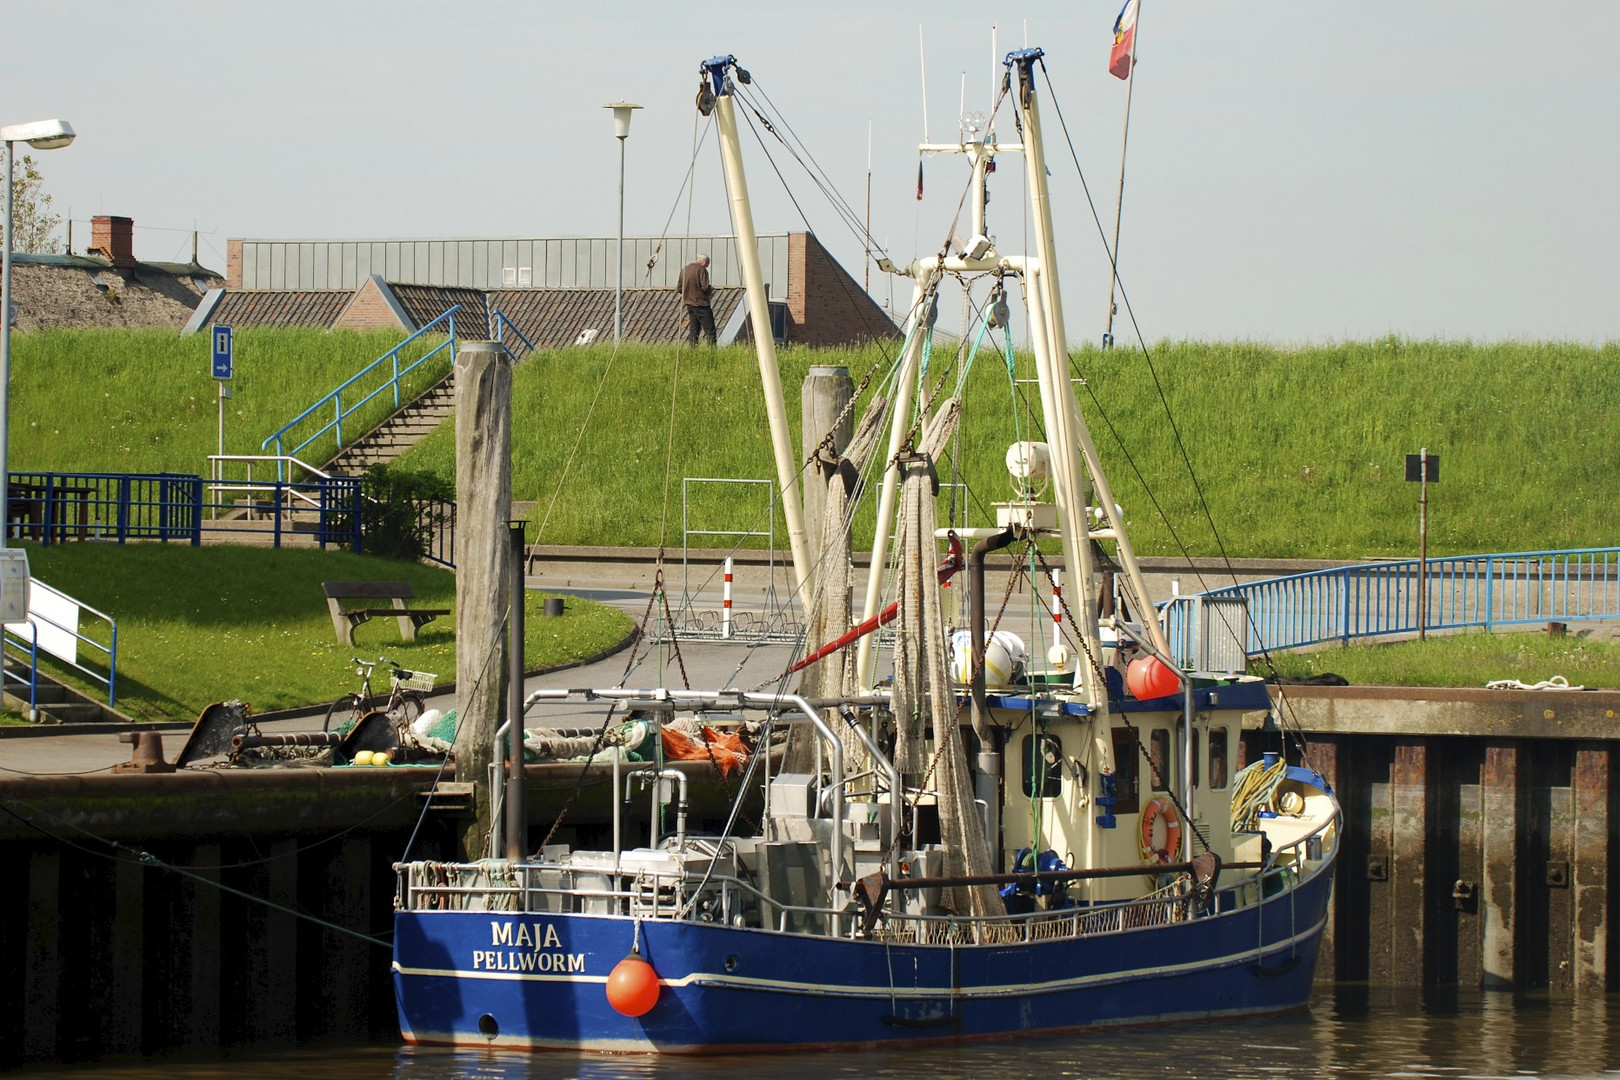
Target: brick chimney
(114, 237)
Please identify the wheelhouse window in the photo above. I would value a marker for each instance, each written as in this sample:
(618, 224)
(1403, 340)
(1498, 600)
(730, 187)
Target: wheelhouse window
(1217, 759)
(1126, 759)
(1043, 766)
(1159, 759)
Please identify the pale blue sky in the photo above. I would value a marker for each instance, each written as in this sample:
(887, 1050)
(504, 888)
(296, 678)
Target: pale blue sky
(1300, 170)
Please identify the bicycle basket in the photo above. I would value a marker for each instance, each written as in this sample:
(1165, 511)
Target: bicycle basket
(421, 681)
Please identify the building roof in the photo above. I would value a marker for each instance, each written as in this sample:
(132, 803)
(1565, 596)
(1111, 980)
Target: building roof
(305, 308)
(552, 318)
(424, 303)
(100, 262)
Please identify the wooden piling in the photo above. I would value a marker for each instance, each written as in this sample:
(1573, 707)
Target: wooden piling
(1590, 868)
(42, 972)
(483, 375)
(823, 402)
(1499, 883)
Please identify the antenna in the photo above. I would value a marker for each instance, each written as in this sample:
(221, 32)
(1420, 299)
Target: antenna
(993, 65)
(868, 236)
(922, 55)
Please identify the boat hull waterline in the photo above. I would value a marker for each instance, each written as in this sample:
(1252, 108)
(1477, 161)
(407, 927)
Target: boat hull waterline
(537, 980)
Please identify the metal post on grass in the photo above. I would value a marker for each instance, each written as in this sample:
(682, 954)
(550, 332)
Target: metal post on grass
(1423, 467)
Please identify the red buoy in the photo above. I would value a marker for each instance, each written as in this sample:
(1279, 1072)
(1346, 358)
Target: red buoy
(1149, 677)
(632, 986)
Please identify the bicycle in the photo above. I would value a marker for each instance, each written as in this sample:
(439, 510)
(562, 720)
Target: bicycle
(405, 702)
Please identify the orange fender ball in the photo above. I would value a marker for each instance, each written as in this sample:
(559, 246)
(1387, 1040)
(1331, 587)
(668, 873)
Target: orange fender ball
(632, 986)
(1148, 677)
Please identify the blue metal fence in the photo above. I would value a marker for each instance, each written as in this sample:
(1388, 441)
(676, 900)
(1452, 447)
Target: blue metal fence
(53, 507)
(1381, 599)
(56, 508)
(310, 424)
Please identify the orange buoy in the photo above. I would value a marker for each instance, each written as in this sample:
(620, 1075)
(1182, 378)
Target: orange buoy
(1149, 677)
(632, 986)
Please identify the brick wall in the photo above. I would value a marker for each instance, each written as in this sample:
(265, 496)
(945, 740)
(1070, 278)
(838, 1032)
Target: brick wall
(369, 310)
(825, 305)
(233, 265)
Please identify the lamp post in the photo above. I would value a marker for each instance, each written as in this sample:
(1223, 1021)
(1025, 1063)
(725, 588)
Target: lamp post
(621, 131)
(41, 135)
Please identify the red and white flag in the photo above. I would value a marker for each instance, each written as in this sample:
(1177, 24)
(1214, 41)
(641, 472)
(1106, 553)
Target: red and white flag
(1119, 61)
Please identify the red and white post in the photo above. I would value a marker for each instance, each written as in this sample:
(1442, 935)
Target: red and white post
(725, 603)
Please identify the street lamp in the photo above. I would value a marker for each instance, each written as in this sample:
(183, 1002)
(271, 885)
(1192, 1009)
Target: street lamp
(621, 131)
(41, 135)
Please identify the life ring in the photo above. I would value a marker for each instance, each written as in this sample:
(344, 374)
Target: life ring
(1157, 806)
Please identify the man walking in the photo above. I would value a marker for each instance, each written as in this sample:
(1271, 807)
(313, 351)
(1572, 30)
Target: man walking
(695, 294)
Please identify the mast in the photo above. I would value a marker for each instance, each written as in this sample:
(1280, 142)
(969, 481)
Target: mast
(759, 313)
(900, 420)
(1076, 437)
(1064, 427)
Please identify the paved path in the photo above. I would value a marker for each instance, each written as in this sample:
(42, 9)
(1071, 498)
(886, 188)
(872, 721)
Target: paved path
(709, 665)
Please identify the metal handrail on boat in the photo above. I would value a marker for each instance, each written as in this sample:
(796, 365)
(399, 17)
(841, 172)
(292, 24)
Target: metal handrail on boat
(643, 898)
(731, 699)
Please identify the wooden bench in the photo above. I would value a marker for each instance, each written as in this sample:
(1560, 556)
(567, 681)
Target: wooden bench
(345, 619)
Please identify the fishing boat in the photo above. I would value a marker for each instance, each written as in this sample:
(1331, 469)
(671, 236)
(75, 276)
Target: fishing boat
(978, 844)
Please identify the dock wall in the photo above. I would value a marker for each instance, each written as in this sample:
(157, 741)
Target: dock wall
(1479, 842)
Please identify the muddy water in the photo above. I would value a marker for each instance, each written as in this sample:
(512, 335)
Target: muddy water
(1349, 1032)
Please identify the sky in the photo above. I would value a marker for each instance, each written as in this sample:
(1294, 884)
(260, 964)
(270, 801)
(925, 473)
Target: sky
(1297, 173)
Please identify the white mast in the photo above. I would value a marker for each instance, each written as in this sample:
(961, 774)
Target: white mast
(759, 313)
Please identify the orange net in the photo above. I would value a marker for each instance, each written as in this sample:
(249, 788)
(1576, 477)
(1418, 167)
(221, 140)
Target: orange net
(726, 748)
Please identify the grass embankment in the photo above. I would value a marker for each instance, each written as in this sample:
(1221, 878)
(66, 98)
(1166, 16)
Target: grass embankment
(143, 400)
(1300, 452)
(1470, 659)
(199, 625)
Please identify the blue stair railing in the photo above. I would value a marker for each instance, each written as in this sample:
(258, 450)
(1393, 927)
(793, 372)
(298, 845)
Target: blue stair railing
(338, 409)
(502, 324)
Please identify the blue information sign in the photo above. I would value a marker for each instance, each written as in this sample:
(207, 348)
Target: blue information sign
(222, 352)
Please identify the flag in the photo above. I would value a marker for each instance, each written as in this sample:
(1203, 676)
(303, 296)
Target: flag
(919, 180)
(1119, 61)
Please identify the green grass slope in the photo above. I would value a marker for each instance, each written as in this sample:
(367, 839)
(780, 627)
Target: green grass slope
(1299, 452)
(199, 625)
(144, 401)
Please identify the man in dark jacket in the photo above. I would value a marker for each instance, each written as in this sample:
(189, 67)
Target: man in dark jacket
(695, 294)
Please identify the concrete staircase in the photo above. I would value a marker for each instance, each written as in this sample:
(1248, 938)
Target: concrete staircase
(56, 703)
(409, 426)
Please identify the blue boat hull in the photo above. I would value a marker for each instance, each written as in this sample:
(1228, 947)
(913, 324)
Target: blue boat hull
(537, 980)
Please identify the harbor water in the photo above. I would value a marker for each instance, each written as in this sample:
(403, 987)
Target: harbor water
(1349, 1032)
